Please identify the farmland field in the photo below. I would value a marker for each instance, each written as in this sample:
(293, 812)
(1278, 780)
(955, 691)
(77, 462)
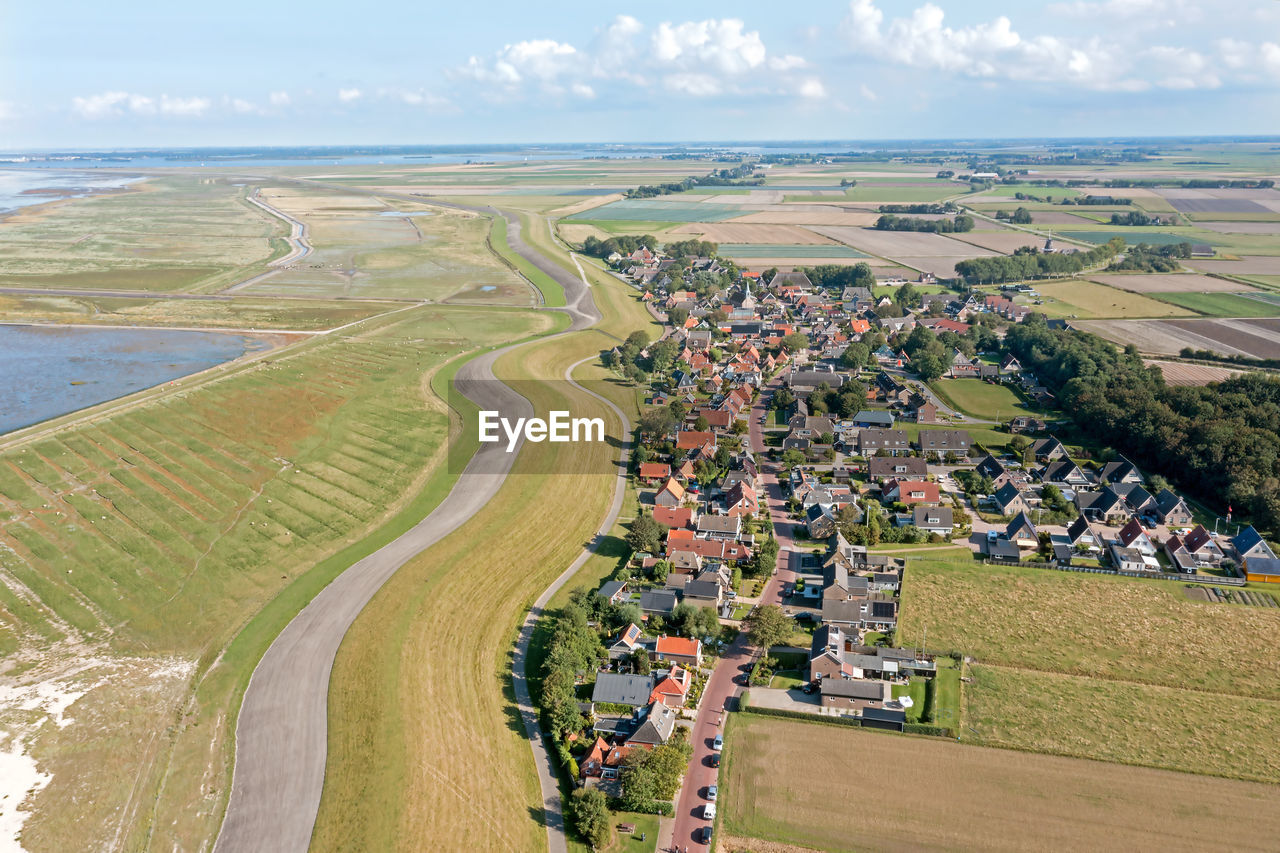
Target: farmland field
(735, 232)
(892, 244)
(1247, 265)
(1129, 723)
(809, 214)
(980, 399)
(1221, 304)
(978, 798)
(1000, 241)
(1168, 283)
(1085, 299)
(1180, 373)
(1119, 629)
(1133, 236)
(649, 209)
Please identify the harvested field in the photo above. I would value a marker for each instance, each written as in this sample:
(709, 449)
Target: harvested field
(1140, 724)
(977, 798)
(802, 214)
(735, 232)
(903, 244)
(1086, 299)
(1100, 626)
(761, 250)
(1179, 373)
(1169, 283)
(942, 267)
(664, 211)
(1156, 336)
(1222, 304)
(1247, 265)
(1241, 227)
(576, 232)
(1004, 242)
(1256, 338)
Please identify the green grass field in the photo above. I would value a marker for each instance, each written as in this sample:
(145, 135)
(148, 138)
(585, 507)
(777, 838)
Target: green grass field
(1136, 235)
(1223, 304)
(1129, 723)
(1090, 300)
(981, 399)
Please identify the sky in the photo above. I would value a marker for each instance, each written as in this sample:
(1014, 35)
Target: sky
(146, 73)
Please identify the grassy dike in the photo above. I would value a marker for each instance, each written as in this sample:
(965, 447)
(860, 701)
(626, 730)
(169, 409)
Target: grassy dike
(178, 814)
(424, 738)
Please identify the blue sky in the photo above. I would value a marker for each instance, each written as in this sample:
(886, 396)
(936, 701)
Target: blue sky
(147, 73)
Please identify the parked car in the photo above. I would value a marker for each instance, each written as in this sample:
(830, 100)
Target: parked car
(712, 791)
(718, 743)
(715, 759)
(706, 835)
(709, 811)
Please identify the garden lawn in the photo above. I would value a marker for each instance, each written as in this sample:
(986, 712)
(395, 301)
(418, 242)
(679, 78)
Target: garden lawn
(980, 399)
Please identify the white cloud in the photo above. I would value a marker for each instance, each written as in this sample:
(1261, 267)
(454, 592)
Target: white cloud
(696, 59)
(240, 105)
(116, 104)
(183, 106)
(812, 88)
(349, 95)
(866, 92)
(279, 99)
(7, 111)
(995, 50)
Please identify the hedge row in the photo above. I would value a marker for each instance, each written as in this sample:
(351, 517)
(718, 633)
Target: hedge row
(909, 728)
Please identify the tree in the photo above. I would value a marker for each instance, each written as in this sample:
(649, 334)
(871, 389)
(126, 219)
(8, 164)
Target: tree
(657, 422)
(906, 296)
(701, 424)
(854, 356)
(639, 660)
(782, 399)
(765, 559)
(704, 623)
(791, 458)
(629, 614)
(589, 812)
(645, 534)
(767, 626)
(795, 342)
(739, 426)
(638, 339)
(929, 366)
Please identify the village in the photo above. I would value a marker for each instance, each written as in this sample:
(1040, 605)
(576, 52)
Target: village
(793, 431)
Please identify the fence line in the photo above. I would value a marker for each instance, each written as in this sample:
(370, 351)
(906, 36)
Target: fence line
(1164, 576)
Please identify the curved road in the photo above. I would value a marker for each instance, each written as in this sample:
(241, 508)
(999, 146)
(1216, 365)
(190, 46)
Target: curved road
(282, 730)
(548, 777)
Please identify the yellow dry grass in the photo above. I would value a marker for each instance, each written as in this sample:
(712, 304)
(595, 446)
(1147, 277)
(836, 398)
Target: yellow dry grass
(792, 782)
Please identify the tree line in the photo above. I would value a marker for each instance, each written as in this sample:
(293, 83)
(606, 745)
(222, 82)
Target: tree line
(1031, 264)
(738, 176)
(890, 222)
(1221, 441)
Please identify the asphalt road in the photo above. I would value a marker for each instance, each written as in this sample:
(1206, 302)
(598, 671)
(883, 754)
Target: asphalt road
(724, 688)
(282, 730)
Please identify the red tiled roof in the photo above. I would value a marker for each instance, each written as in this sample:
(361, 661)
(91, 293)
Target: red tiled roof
(677, 646)
(654, 470)
(673, 517)
(687, 439)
